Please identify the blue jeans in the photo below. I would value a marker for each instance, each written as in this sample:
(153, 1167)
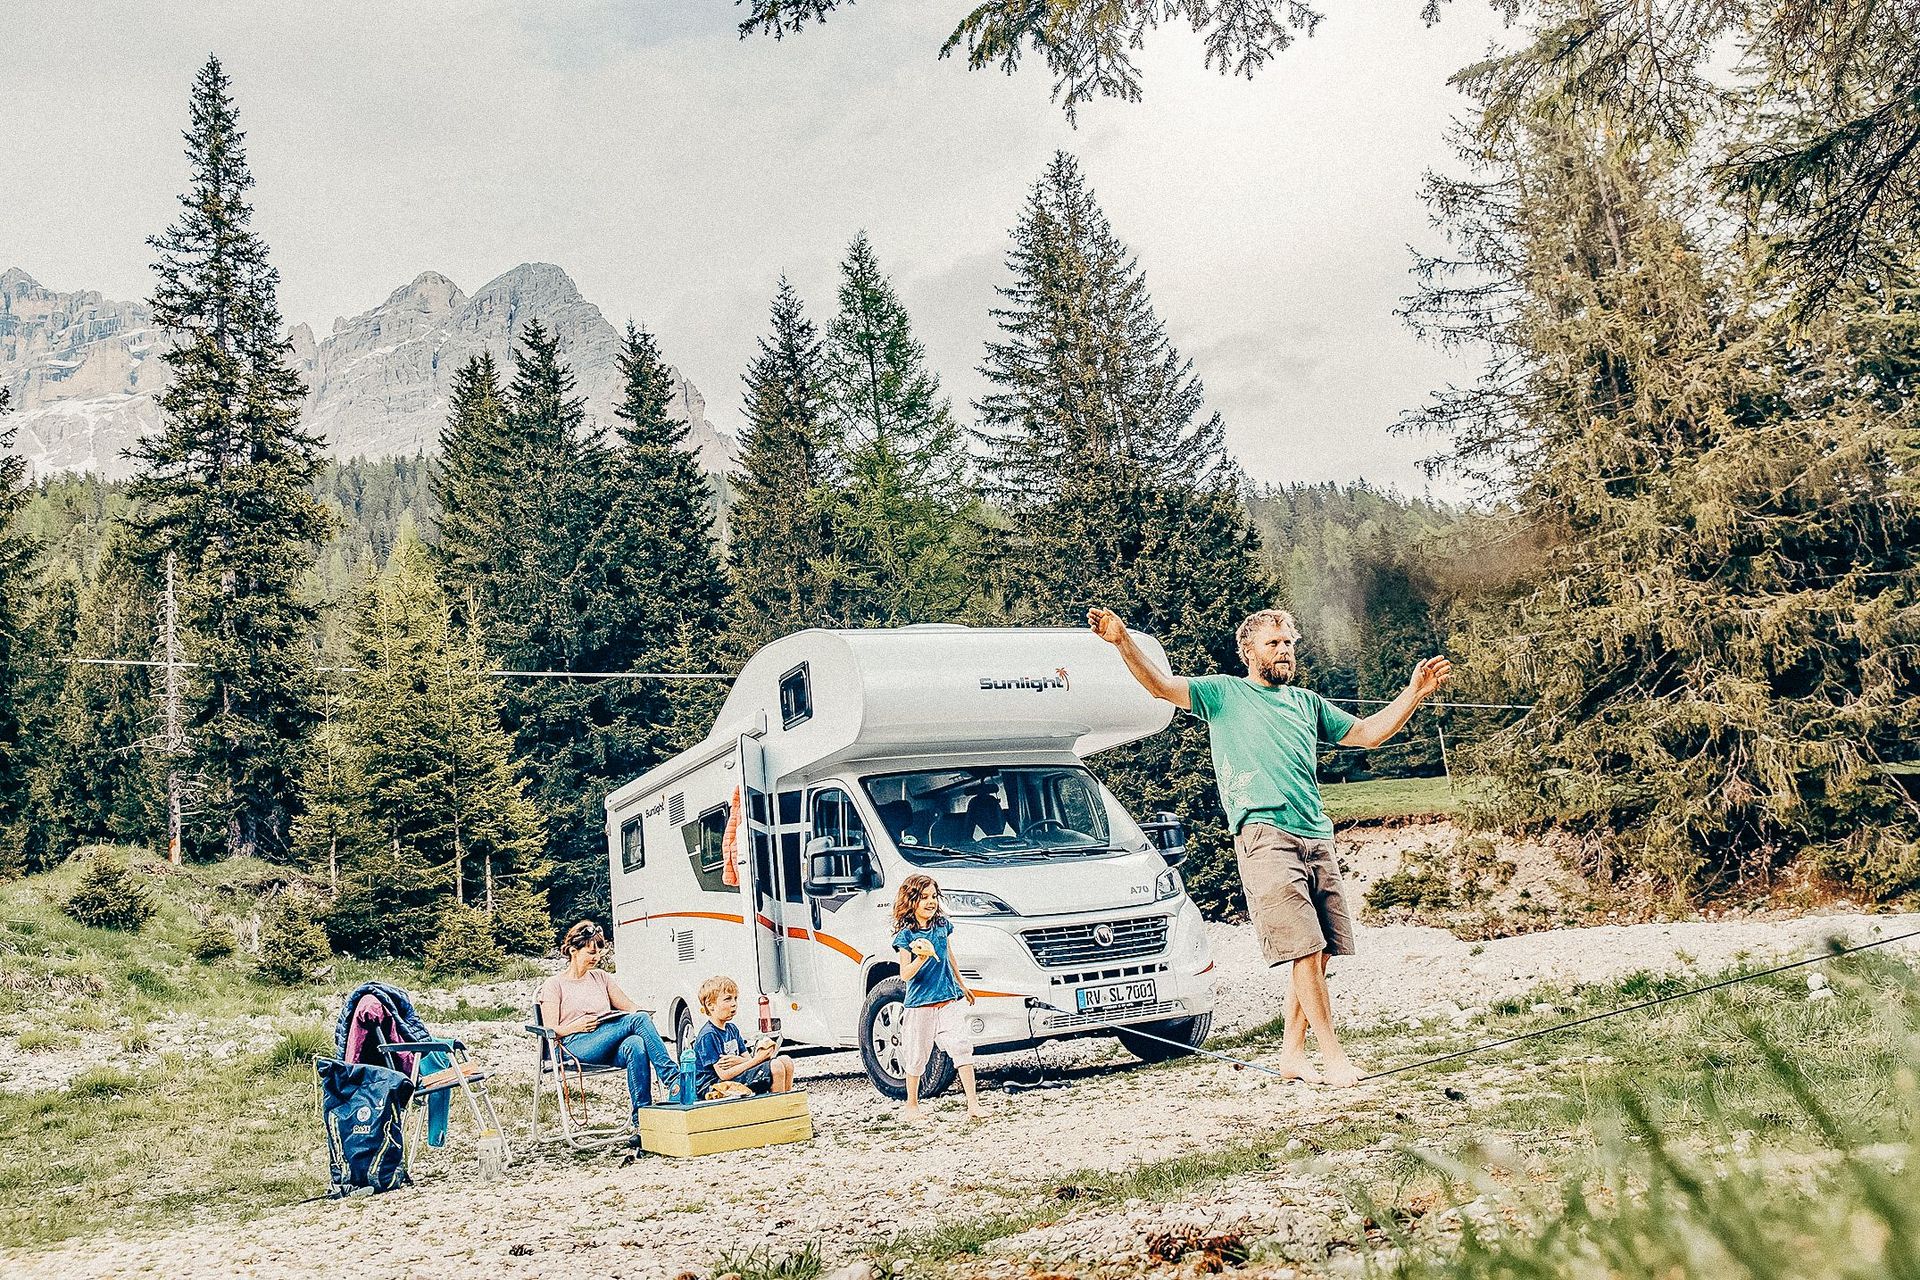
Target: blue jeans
(631, 1043)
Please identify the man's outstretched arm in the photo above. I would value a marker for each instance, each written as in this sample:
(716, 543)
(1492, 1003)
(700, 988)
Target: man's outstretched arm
(1375, 729)
(1163, 685)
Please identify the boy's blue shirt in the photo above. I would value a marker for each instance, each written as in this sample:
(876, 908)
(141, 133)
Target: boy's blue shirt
(712, 1044)
(935, 983)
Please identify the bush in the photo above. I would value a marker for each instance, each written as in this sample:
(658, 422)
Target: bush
(293, 946)
(521, 923)
(111, 895)
(464, 944)
(213, 941)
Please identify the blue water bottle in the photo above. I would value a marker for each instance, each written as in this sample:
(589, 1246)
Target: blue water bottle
(687, 1068)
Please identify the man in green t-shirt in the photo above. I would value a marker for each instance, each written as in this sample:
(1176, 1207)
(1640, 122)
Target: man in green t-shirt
(1265, 733)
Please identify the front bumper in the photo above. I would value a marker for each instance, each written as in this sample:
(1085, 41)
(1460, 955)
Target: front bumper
(1021, 1003)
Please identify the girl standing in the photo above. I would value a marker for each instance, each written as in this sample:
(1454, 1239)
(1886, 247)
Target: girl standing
(934, 1013)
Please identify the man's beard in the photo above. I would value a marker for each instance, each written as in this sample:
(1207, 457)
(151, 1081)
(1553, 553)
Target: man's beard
(1277, 673)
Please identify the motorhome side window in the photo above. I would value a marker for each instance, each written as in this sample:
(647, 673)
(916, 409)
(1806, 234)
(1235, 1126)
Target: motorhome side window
(706, 840)
(633, 848)
(796, 696)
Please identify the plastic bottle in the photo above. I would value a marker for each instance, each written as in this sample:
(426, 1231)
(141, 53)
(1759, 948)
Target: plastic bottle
(687, 1069)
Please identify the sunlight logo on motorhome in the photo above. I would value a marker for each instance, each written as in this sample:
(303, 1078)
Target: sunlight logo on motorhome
(1039, 684)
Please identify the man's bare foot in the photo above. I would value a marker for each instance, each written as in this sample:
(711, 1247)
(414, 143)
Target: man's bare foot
(913, 1115)
(1296, 1067)
(1342, 1074)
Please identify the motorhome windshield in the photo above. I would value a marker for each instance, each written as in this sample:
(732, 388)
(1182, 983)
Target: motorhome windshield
(999, 813)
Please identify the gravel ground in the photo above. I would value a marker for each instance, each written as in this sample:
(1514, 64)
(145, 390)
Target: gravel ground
(866, 1176)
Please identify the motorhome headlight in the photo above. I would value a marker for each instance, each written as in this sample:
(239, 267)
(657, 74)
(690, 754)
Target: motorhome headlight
(973, 902)
(1168, 885)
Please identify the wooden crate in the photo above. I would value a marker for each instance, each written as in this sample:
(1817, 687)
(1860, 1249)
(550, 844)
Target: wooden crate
(732, 1124)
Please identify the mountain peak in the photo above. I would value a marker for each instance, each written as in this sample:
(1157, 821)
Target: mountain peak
(430, 292)
(542, 277)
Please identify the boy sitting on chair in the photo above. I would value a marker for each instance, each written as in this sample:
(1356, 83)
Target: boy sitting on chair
(720, 1051)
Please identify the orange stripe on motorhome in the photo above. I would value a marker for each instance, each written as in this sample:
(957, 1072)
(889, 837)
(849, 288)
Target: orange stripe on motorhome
(689, 915)
(844, 949)
(793, 931)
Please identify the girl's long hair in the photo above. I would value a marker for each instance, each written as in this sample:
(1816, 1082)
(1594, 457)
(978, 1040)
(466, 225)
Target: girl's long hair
(903, 900)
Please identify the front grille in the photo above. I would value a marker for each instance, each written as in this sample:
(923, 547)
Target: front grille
(1117, 973)
(1074, 944)
(1138, 1013)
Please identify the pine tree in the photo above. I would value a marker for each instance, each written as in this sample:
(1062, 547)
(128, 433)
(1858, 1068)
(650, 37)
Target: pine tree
(435, 810)
(93, 779)
(523, 503)
(468, 479)
(18, 551)
(907, 528)
(782, 535)
(1718, 638)
(1114, 488)
(226, 484)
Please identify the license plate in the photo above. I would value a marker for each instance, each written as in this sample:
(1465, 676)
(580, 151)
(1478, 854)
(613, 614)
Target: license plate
(1116, 996)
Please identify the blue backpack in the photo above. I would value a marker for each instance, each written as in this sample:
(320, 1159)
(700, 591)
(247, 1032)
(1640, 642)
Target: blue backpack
(361, 1107)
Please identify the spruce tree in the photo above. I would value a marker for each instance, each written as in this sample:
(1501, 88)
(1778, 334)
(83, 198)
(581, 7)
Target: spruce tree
(17, 603)
(435, 810)
(1717, 639)
(468, 479)
(783, 561)
(226, 486)
(94, 780)
(907, 528)
(1114, 488)
(528, 485)
(650, 578)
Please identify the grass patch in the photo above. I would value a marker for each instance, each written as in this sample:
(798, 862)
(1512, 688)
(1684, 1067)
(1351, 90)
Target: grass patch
(45, 1040)
(1389, 798)
(761, 1263)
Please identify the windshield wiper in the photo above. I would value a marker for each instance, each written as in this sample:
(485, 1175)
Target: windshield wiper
(970, 855)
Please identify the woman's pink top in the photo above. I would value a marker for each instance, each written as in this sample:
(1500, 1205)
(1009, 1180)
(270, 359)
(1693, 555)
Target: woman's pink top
(574, 996)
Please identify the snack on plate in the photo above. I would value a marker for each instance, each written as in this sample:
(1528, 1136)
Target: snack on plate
(724, 1089)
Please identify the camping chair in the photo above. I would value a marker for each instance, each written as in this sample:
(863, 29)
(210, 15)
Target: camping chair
(552, 1064)
(379, 1027)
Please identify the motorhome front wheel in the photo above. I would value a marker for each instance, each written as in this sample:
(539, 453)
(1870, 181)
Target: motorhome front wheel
(881, 1053)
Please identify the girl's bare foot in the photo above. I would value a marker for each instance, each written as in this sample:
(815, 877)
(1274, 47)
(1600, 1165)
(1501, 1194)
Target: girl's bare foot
(1342, 1074)
(1296, 1067)
(976, 1113)
(913, 1115)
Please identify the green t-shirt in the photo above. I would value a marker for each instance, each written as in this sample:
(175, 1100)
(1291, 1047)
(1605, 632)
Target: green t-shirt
(1265, 743)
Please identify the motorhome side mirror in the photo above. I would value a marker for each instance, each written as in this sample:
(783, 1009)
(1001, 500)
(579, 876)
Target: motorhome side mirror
(1169, 835)
(831, 870)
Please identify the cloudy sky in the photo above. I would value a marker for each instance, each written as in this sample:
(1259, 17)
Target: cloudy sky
(676, 171)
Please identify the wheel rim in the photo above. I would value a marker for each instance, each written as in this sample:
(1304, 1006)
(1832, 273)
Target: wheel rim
(887, 1022)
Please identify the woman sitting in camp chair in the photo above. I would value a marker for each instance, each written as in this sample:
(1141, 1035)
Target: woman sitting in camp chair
(598, 1023)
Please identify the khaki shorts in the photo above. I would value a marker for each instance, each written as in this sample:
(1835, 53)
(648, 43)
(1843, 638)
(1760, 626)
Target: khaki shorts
(1294, 892)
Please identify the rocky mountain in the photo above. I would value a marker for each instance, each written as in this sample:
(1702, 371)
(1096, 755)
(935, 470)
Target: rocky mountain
(85, 371)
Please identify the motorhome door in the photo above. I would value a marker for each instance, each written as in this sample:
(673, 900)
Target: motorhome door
(758, 861)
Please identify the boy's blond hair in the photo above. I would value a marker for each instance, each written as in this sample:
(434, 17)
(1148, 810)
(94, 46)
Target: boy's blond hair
(715, 987)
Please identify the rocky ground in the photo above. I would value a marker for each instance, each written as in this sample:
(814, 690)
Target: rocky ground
(1069, 1111)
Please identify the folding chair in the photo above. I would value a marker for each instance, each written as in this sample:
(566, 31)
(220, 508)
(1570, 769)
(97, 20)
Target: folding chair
(378, 1025)
(491, 1147)
(552, 1063)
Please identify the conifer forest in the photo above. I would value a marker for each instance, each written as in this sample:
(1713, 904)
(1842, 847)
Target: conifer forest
(1685, 592)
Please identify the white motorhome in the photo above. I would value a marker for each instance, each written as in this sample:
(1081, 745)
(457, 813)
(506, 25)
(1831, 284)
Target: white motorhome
(844, 761)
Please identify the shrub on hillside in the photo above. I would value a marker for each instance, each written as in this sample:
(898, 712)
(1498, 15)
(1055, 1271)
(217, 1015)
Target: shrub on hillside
(521, 924)
(464, 944)
(213, 941)
(293, 946)
(111, 895)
